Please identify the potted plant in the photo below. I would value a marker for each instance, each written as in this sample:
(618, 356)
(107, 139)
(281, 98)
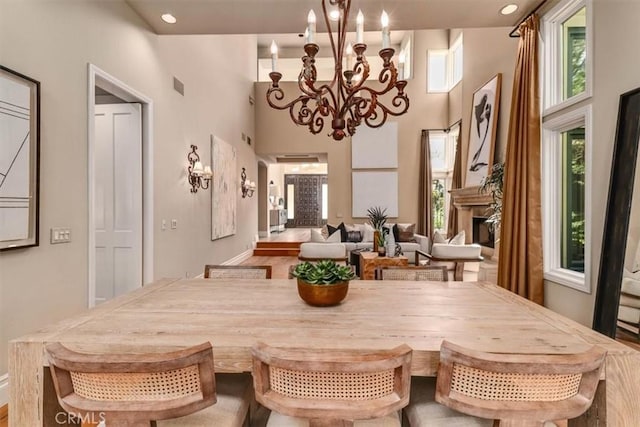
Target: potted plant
(493, 184)
(381, 238)
(377, 218)
(323, 283)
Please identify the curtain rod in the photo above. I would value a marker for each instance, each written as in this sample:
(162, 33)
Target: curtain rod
(445, 130)
(513, 32)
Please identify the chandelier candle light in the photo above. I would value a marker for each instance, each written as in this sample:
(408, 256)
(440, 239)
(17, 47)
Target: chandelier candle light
(346, 100)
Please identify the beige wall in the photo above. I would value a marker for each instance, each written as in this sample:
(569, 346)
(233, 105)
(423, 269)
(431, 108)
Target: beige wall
(276, 133)
(487, 51)
(615, 72)
(52, 42)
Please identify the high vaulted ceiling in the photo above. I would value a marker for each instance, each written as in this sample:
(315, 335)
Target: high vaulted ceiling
(289, 16)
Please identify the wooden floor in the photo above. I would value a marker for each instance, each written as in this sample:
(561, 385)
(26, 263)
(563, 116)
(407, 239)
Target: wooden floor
(289, 235)
(279, 264)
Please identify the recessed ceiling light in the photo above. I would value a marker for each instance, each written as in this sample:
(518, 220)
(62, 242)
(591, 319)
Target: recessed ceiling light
(169, 18)
(509, 9)
(334, 15)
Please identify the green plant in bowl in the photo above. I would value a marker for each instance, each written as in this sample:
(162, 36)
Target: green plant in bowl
(325, 272)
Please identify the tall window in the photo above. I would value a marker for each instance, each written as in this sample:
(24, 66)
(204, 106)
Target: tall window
(442, 146)
(566, 59)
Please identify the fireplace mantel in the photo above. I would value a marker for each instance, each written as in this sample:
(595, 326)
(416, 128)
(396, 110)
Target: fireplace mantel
(469, 197)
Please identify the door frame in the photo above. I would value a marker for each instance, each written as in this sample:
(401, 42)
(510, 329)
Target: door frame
(102, 79)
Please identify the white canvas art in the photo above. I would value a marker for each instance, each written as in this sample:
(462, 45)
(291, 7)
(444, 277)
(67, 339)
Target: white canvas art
(374, 189)
(375, 148)
(482, 134)
(224, 188)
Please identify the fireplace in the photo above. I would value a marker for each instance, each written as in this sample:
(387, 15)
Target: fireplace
(482, 233)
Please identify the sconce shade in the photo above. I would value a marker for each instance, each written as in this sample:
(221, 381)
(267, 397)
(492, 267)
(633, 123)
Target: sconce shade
(198, 169)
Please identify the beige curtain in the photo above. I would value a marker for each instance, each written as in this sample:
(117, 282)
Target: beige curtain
(425, 219)
(520, 262)
(456, 182)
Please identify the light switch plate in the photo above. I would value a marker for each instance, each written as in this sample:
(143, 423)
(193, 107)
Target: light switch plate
(60, 235)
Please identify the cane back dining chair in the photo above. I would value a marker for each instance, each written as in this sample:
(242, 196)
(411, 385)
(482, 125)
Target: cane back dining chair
(137, 389)
(237, 272)
(513, 389)
(423, 272)
(332, 388)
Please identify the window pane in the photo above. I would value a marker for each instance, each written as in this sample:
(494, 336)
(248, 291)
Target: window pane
(437, 147)
(574, 54)
(325, 201)
(291, 191)
(437, 201)
(437, 70)
(457, 65)
(573, 194)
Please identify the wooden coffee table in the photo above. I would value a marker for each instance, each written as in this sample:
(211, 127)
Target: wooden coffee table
(369, 261)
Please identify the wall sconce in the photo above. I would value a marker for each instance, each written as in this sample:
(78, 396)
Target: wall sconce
(248, 187)
(199, 177)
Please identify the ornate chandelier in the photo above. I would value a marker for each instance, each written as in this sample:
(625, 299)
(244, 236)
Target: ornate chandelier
(346, 100)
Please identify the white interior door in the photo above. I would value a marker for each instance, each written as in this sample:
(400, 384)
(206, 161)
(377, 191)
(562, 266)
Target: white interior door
(118, 199)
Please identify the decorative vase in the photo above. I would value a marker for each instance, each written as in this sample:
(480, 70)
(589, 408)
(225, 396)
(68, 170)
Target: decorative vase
(381, 251)
(322, 295)
(391, 249)
(376, 234)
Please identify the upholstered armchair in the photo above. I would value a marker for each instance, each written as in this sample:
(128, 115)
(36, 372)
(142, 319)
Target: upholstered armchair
(452, 256)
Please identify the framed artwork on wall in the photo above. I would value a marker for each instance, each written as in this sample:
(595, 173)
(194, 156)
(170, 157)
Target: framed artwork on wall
(482, 133)
(374, 188)
(223, 189)
(19, 159)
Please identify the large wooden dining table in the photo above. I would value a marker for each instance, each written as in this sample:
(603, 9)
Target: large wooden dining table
(234, 314)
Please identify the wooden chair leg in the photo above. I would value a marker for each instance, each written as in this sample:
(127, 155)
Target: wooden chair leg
(458, 274)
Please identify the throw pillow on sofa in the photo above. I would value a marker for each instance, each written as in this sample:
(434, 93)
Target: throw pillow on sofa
(367, 232)
(458, 239)
(328, 230)
(404, 232)
(439, 238)
(353, 233)
(343, 232)
(317, 237)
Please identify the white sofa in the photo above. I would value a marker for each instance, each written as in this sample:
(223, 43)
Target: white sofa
(453, 257)
(317, 248)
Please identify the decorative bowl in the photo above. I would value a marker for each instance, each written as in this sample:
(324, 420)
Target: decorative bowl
(323, 295)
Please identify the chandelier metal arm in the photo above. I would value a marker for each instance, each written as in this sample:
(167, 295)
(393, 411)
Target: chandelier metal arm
(347, 101)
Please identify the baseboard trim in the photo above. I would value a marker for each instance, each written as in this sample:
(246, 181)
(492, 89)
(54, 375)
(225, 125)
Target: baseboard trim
(238, 259)
(4, 391)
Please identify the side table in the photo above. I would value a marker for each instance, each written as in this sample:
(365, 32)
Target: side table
(369, 261)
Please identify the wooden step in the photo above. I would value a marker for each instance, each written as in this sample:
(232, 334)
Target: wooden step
(278, 245)
(276, 252)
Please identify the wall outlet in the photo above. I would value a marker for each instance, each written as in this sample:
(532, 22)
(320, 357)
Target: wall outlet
(60, 235)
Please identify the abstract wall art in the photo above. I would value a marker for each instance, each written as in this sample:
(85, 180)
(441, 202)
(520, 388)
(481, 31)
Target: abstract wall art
(482, 134)
(223, 189)
(19, 159)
